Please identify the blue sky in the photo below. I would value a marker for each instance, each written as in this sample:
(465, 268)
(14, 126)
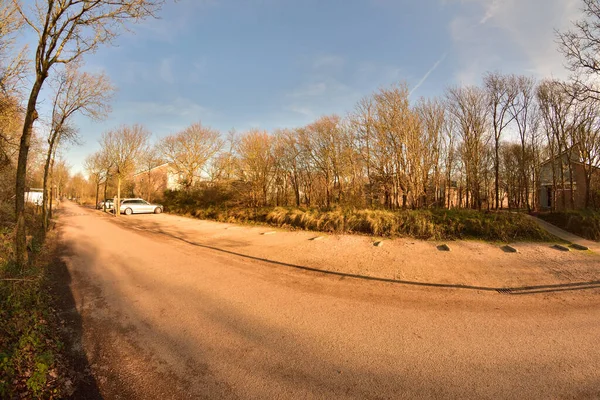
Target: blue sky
(283, 63)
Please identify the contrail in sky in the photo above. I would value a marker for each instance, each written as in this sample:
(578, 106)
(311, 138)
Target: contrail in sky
(424, 78)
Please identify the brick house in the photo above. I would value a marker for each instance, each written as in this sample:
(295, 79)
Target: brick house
(150, 184)
(551, 193)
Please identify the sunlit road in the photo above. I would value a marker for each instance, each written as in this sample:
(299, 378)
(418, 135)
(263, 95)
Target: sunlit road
(164, 319)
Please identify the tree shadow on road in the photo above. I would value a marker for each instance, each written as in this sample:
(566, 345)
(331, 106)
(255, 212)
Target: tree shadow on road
(85, 385)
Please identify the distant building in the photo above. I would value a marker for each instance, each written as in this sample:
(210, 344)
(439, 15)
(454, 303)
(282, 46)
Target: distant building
(552, 194)
(150, 184)
(35, 196)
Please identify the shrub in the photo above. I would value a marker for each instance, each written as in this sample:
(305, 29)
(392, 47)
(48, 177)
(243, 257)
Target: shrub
(31, 360)
(421, 224)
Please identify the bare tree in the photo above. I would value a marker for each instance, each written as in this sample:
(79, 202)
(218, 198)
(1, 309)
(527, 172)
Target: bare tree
(587, 139)
(501, 93)
(124, 147)
(256, 163)
(524, 112)
(190, 150)
(469, 107)
(10, 123)
(556, 107)
(106, 162)
(66, 30)
(432, 116)
(151, 158)
(363, 122)
(12, 66)
(74, 92)
(321, 140)
(581, 48)
(95, 169)
(396, 122)
(448, 149)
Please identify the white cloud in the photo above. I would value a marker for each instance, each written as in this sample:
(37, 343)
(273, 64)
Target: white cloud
(328, 61)
(302, 110)
(180, 107)
(510, 35)
(165, 71)
(490, 11)
(309, 90)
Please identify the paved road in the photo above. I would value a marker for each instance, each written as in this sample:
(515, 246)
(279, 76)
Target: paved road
(164, 319)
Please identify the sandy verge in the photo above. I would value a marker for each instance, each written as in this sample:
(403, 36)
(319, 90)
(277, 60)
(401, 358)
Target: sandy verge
(473, 263)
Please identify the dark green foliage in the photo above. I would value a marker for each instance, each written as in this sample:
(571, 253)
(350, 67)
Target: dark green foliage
(30, 361)
(585, 223)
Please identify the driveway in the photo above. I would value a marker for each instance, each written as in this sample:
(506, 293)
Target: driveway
(163, 317)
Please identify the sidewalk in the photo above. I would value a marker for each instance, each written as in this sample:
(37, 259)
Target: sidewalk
(567, 236)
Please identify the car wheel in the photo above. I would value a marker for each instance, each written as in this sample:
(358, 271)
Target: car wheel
(128, 211)
(157, 210)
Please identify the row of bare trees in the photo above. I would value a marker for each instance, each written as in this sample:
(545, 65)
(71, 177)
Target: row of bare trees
(476, 147)
(65, 31)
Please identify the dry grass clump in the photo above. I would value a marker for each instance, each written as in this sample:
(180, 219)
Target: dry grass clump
(421, 224)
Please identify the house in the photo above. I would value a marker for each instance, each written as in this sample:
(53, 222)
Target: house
(151, 183)
(553, 195)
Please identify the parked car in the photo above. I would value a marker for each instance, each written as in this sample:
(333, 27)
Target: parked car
(138, 206)
(108, 202)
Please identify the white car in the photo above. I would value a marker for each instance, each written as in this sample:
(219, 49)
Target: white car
(139, 206)
(108, 203)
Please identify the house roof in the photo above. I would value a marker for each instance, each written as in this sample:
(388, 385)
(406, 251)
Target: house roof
(151, 169)
(567, 152)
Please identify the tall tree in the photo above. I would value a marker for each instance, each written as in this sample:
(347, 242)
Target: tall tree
(124, 147)
(587, 138)
(75, 92)
(523, 110)
(148, 162)
(581, 47)
(256, 163)
(396, 122)
(556, 107)
(12, 66)
(321, 141)
(190, 150)
(95, 169)
(469, 107)
(65, 30)
(363, 123)
(501, 93)
(432, 115)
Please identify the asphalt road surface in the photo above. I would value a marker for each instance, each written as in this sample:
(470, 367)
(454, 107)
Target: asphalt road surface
(158, 318)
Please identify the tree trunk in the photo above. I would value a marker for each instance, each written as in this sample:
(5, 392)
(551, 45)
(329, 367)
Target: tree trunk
(117, 205)
(497, 172)
(571, 191)
(105, 190)
(48, 167)
(45, 192)
(50, 200)
(97, 192)
(31, 116)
